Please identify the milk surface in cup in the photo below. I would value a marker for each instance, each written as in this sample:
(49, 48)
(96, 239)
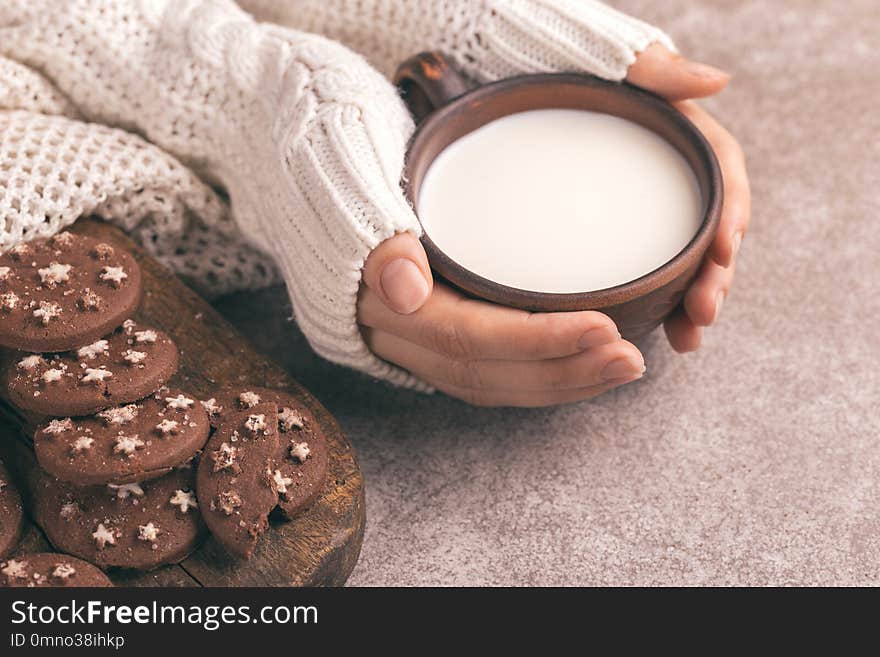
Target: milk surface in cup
(560, 201)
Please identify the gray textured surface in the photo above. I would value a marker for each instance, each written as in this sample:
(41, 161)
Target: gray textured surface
(754, 461)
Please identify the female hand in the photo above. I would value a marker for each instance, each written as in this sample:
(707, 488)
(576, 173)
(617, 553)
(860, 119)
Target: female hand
(679, 80)
(482, 353)
(491, 355)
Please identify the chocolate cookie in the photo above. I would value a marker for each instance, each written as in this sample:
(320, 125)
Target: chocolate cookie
(126, 365)
(11, 514)
(126, 443)
(302, 455)
(141, 526)
(64, 292)
(236, 480)
(49, 569)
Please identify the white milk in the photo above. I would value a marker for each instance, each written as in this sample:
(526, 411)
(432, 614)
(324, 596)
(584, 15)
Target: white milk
(559, 200)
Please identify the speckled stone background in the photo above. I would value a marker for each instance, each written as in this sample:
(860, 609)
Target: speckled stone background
(754, 461)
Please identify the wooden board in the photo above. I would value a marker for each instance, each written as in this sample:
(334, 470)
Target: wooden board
(321, 547)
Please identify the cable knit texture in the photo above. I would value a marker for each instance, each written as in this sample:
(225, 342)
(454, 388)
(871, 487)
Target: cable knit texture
(488, 39)
(239, 153)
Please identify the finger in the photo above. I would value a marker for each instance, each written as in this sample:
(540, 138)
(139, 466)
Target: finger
(706, 295)
(670, 75)
(613, 362)
(736, 211)
(681, 332)
(397, 271)
(462, 328)
(519, 398)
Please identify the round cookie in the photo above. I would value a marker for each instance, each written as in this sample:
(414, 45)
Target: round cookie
(302, 456)
(124, 444)
(124, 366)
(141, 526)
(236, 479)
(50, 569)
(63, 292)
(11, 512)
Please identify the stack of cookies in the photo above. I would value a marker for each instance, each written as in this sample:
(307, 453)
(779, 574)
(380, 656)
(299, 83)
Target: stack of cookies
(130, 475)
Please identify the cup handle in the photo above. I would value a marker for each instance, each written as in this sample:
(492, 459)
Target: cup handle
(427, 82)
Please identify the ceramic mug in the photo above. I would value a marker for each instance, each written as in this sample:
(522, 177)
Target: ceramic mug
(447, 107)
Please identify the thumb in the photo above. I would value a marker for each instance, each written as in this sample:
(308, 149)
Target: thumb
(398, 271)
(670, 75)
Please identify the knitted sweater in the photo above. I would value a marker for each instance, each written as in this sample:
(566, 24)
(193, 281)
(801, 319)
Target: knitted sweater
(243, 153)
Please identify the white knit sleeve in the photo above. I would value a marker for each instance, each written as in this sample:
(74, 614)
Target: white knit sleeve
(488, 39)
(302, 136)
(54, 169)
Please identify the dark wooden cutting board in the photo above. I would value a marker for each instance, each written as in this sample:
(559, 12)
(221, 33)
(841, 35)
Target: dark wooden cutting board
(320, 547)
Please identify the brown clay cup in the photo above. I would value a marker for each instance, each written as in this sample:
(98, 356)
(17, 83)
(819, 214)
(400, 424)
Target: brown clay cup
(446, 108)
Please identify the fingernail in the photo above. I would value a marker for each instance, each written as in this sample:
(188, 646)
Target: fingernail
(622, 368)
(701, 70)
(404, 285)
(735, 244)
(620, 382)
(719, 301)
(596, 337)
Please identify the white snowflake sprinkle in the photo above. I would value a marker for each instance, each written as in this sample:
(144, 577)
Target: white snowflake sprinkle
(92, 351)
(249, 399)
(129, 325)
(145, 337)
(180, 402)
(58, 426)
(54, 274)
(96, 375)
(124, 491)
(255, 423)
(113, 275)
(281, 482)
(69, 510)
(52, 375)
(63, 571)
(148, 532)
(102, 251)
(19, 251)
(62, 239)
(15, 569)
(227, 501)
(224, 457)
(127, 445)
(81, 444)
(9, 301)
(184, 500)
(133, 357)
(300, 451)
(211, 407)
(47, 311)
(119, 414)
(289, 419)
(103, 536)
(89, 300)
(167, 426)
(30, 362)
